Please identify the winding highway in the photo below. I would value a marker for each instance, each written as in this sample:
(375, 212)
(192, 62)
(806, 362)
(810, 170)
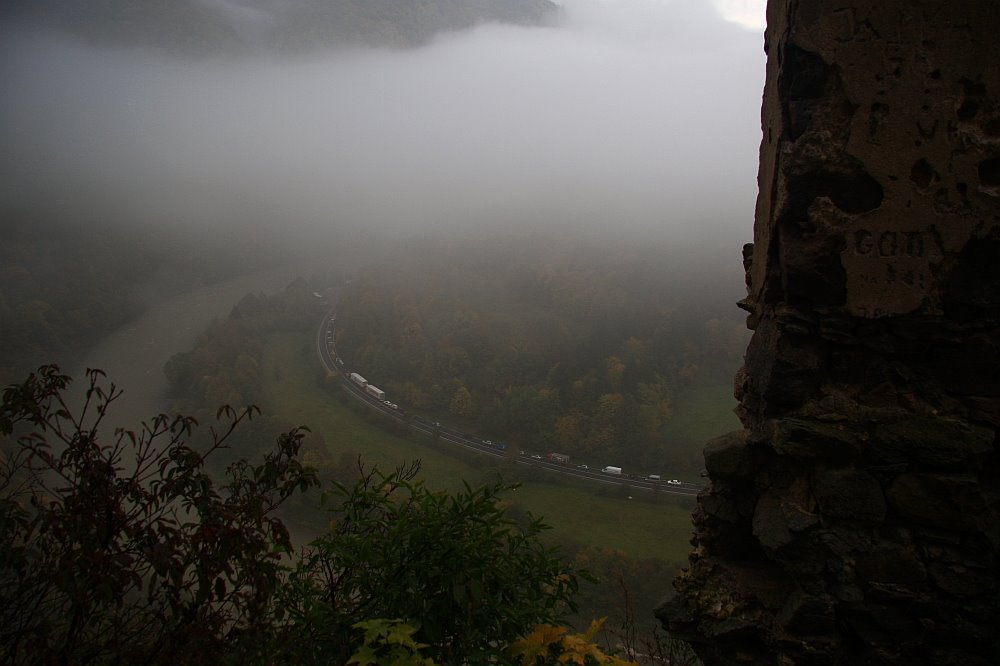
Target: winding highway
(327, 352)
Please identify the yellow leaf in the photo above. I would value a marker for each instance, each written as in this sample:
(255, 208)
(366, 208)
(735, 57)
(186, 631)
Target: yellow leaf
(595, 626)
(544, 634)
(536, 643)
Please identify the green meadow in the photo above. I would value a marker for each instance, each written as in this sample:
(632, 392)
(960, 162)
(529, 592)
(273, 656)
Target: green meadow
(645, 525)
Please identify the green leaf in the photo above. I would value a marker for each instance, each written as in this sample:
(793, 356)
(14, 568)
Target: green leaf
(364, 656)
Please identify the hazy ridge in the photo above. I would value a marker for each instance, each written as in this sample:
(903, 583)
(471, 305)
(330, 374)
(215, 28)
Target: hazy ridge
(232, 26)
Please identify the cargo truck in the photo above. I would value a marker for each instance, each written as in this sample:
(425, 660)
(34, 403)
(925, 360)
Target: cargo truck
(375, 392)
(560, 458)
(617, 471)
(358, 379)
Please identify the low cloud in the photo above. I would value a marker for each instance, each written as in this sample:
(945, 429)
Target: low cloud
(634, 115)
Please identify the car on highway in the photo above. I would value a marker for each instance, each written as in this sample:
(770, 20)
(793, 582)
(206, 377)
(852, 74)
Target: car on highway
(674, 482)
(535, 456)
(583, 467)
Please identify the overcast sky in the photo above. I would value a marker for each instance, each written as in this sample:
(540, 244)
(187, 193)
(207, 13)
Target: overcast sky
(634, 114)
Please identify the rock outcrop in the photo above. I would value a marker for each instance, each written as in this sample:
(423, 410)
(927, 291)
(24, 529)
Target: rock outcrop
(854, 520)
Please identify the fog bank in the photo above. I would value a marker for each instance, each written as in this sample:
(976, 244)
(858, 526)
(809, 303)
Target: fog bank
(631, 115)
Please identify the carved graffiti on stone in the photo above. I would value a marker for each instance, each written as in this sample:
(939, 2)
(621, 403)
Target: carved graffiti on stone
(889, 243)
(888, 270)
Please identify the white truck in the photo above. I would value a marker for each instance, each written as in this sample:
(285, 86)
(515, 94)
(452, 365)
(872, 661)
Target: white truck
(375, 392)
(616, 471)
(358, 379)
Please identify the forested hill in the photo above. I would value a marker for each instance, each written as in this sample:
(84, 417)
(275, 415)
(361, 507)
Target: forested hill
(284, 26)
(560, 346)
(69, 281)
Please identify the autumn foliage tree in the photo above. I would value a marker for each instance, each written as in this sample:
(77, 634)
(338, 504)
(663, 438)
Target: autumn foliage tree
(581, 350)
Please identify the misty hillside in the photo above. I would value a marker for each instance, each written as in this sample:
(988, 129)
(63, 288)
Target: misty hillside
(233, 26)
(554, 344)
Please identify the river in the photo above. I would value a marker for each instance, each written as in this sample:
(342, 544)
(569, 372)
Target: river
(133, 356)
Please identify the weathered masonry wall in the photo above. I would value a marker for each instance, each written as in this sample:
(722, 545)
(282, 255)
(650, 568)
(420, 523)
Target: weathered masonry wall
(854, 520)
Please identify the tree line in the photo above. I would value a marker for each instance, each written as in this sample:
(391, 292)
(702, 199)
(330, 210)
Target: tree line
(579, 350)
(223, 367)
(62, 289)
(68, 282)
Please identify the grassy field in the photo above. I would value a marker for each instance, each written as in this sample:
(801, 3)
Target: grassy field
(587, 513)
(291, 390)
(640, 529)
(703, 411)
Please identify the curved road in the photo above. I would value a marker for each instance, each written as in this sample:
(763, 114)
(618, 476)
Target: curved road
(327, 352)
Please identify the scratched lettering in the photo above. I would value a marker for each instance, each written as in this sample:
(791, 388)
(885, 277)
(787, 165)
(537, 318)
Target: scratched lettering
(889, 243)
(888, 270)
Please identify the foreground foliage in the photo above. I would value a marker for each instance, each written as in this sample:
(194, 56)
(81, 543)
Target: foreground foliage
(452, 565)
(555, 645)
(127, 550)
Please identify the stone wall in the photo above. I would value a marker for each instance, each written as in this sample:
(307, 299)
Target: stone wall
(854, 520)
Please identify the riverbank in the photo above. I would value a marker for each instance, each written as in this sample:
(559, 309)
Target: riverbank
(133, 356)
